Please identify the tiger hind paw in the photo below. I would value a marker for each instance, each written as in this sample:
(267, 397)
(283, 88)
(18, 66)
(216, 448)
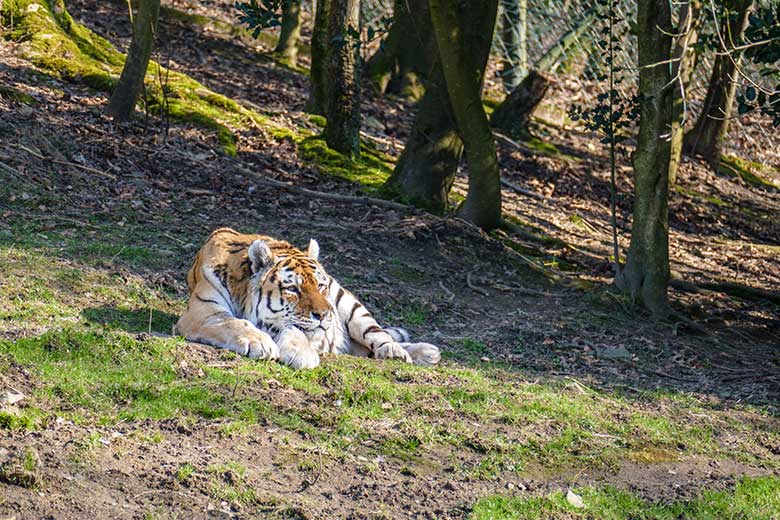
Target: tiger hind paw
(423, 354)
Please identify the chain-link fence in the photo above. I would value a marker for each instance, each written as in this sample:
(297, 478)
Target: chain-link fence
(560, 37)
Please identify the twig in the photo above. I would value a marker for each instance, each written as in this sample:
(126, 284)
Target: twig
(474, 287)
(729, 288)
(156, 491)
(519, 189)
(55, 217)
(65, 163)
(525, 149)
(450, 294)
(670, 376)
(533, 265)
(348, 199)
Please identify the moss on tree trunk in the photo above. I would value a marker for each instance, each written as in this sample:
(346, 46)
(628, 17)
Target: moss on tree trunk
(404, 61)
(706, 137)
(131, 81)
(287, 46)
(463, 33)
(646, 275)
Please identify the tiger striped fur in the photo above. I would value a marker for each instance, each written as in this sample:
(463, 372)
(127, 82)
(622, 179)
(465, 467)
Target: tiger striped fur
(263, 298)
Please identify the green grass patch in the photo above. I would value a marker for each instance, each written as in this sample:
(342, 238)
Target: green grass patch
(184, 472)
(42, 290)
(400, 410)
(754, 498)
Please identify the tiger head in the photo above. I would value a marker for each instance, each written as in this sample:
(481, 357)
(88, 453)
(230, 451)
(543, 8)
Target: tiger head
(292, 287)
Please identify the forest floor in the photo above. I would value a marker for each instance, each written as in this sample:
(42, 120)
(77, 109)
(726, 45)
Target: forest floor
(550, 381)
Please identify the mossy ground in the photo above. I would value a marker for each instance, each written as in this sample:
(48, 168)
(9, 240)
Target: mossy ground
(751, 173)
(59, 45)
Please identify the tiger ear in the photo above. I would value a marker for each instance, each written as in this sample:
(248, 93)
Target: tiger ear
(314, 249)
(260, 255)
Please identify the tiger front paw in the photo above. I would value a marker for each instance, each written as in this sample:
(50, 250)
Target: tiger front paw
(295, 350)
(392, 350)
(257, 345)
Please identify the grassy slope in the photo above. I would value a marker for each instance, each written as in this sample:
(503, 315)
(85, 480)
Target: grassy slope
(754, 498)
(82, 315)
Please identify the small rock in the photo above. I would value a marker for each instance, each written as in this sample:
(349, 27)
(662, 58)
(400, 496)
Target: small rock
(387, 406)
(574, 499)
(13, 397)
(485, 359)
(620, 352)
(509, 485)
(337, 403)
(374, 123)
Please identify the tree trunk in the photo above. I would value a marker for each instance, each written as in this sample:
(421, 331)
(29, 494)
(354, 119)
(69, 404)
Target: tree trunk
(287, 46)
(404, 61)
(131, 81)
(646, 275)
(683, 65)
(513, 115)
(342, 130)
(462, 30)
(514, 38)
(320, 58)
(427, 166)
(706, 137)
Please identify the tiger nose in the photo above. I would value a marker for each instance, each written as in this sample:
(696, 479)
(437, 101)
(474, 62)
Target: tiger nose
(320, 316)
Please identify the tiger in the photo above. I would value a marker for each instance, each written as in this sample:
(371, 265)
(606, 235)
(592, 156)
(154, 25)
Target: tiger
(264, 298)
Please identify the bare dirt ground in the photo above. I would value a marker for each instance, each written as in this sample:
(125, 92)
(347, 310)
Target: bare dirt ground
(182, 187)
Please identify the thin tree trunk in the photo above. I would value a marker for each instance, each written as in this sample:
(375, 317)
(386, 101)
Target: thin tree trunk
(131, 81)
(706, 137)
(342, 130)
(646, 276)
(427, 166)
(684, 55)
(287, 46)
(320, 57)
(404, 61)
(514, 38)
(461, 29)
